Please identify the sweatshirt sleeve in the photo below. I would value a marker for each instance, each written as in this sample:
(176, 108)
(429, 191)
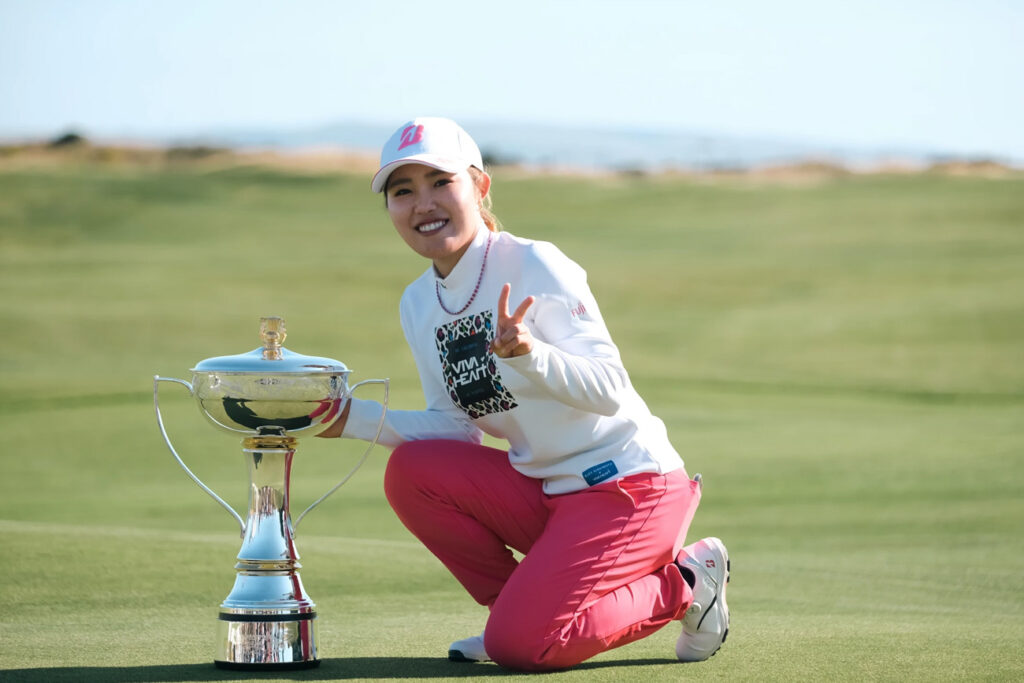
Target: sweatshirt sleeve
(440, 420)
(573, 359)
(406, 425)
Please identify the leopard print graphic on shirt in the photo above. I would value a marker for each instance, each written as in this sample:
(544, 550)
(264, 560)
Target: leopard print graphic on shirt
(470, 373)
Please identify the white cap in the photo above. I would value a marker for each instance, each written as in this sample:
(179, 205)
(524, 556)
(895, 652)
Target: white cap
(439, 143)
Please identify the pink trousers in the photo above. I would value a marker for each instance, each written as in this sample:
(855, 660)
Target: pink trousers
(598, 570)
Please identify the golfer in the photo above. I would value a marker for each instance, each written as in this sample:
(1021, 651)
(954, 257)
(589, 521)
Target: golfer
(509, 341)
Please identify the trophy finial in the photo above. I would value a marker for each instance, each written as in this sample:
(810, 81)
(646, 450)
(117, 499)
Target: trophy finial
(272, 334)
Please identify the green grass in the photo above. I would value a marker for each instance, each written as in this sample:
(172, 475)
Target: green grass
(843, 361)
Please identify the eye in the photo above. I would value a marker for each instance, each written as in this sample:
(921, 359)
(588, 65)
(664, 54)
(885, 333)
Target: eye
(400, 191)
(442, 181)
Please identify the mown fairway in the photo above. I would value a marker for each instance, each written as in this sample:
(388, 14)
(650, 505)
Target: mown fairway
(842, 360)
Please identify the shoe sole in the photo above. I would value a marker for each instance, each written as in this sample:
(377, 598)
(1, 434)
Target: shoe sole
(457, 656)
(725, 634)
(728, 574)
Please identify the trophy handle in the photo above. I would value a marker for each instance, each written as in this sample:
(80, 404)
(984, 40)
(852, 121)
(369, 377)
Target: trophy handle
(160, 421)
(380, 428)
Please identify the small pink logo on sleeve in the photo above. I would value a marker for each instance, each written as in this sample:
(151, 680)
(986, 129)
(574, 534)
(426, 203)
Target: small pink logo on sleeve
(579, 311)
(410, 136)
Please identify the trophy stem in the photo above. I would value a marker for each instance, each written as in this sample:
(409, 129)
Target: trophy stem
(268, 621)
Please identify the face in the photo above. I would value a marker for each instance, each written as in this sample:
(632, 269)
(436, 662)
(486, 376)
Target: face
(437, 213)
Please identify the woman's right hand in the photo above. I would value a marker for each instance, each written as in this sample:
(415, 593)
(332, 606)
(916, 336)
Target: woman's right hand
(338, 426)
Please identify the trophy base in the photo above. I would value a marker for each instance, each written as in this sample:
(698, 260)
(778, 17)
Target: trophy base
(293, 666)
(266, 641)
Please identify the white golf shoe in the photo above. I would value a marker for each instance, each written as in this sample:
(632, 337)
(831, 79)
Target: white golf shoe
(706, 622)
(468, 650)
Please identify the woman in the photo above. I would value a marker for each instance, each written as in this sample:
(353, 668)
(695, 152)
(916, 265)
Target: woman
(590, 489)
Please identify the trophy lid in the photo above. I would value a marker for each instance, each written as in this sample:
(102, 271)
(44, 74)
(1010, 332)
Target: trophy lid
(271, 358)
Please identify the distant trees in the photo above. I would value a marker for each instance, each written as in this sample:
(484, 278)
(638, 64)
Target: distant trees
(68, 139)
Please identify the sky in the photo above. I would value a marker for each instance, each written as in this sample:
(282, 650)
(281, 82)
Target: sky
(940, 74)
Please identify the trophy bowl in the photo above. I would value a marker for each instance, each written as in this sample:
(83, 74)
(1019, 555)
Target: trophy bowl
(270, 390)
(269, 397)
(293, 397)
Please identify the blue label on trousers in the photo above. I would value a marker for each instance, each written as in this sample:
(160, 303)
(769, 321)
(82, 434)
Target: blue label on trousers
(600, 472)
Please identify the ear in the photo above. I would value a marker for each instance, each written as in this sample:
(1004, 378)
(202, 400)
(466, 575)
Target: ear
(483, 183)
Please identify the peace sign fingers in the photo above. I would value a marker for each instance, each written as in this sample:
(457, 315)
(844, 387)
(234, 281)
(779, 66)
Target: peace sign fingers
(511, 337)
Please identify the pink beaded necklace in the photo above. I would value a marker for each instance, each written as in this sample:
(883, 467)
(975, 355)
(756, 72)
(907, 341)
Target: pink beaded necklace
(479, 279)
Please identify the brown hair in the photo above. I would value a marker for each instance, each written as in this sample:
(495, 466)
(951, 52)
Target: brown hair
(490, 220)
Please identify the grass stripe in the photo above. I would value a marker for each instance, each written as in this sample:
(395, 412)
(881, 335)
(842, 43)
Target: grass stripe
(724, 385)
(324, 543)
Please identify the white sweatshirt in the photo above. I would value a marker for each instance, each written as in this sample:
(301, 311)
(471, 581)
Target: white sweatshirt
(567, 409)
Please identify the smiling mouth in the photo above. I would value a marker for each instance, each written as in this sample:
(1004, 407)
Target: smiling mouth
(432, 226)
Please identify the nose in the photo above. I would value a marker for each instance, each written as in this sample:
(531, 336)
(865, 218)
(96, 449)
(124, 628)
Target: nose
(424, 203)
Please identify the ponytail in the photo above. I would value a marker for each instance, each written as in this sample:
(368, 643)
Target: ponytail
(490, 220)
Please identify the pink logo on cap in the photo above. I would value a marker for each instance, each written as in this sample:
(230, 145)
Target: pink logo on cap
(410, 136)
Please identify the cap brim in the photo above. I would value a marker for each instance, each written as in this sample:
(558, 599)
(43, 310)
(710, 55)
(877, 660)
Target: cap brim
(380, 179)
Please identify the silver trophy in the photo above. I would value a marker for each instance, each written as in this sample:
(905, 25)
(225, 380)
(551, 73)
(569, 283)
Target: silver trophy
(268, 396)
